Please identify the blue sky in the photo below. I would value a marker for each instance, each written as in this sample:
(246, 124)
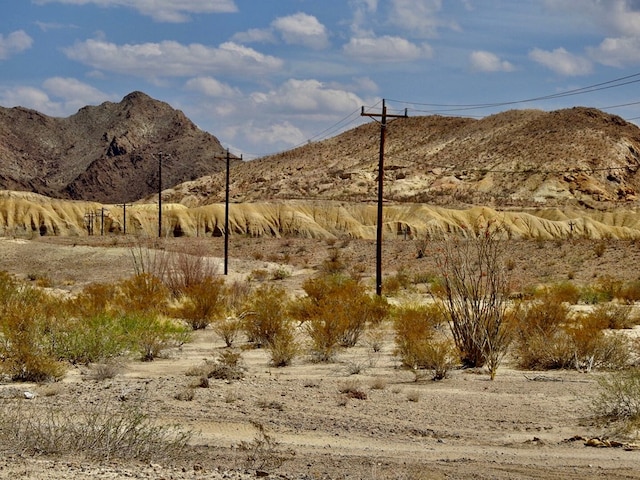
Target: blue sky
(268, 75)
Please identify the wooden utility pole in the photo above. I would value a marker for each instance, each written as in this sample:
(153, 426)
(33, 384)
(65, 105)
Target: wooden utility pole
(226, 215)
(383, 127)
(124, 216)
(160, 155)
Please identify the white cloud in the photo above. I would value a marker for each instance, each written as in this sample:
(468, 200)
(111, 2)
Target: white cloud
(562, 62)
(211, 87)
(172, 59)
(15, 42)
(255, 35)
(308, 97)
(58, 97)
(302, 29)
(620, 17)
(160, 10)
(385, 49)
(273, 134)
(483, 61)
(617, 52)
(417, 16)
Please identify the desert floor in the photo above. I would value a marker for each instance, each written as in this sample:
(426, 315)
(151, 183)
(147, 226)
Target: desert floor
(521, 425)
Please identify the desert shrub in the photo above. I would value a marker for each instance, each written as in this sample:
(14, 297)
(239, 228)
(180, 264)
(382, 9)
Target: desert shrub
(593, 348)
(227, 366)
(420, 342)
(333, 264)
(201, 302)
(540, 341)
(149, 258)
(613, 316)
(84, 340)
(264, 451)
(98, 431)
(336, 312)
(94, 299)
(283, 348)
(353, 389)
(548, 338)
(142, 293)
(561, 292)
(475, 297)
(228, 329)
(618, 398)
(630, 292)
(235, 296)
(187, 269)
(280, 273)
(26, 323)
(149, 335)
(267, 316)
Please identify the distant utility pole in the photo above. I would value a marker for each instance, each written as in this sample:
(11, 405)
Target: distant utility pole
(160, 154)
(383, 127)
(89, 218)
(124, 216)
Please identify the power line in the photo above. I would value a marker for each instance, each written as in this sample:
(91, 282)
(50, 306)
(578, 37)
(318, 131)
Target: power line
(617, 82)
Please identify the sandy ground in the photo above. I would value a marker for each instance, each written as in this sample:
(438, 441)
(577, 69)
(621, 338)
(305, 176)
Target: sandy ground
(523, 425)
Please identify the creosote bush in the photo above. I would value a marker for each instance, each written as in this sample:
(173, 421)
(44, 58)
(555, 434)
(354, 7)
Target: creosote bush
(618, 399)
(200, 302)
(27, 317)
(335, 313)
(421, 342)
(548, 337)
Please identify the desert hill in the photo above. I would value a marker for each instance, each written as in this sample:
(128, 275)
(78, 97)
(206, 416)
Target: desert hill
(578, 156)
(104, 153)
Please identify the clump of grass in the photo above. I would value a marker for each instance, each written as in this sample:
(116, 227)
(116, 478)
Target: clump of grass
(98, 431)
(228, 366)
(353, 389)
(264, 452)
(618, 399)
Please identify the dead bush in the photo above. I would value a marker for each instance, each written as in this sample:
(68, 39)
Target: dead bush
(476, 294)
(98, 431)
(188, 268)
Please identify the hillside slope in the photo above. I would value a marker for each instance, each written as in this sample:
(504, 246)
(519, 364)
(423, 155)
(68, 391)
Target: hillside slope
(106, 153)
(577, 156)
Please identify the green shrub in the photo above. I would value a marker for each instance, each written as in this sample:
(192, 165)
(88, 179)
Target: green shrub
(618, 398)
(149, 335)
(26, 323)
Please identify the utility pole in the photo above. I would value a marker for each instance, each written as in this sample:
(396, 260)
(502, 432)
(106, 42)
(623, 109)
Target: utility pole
(160, 193)
(226, 215)
(383, 127)
(124, 216)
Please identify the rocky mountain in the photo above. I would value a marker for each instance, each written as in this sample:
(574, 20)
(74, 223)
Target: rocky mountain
(520, 158)
(106, 153)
